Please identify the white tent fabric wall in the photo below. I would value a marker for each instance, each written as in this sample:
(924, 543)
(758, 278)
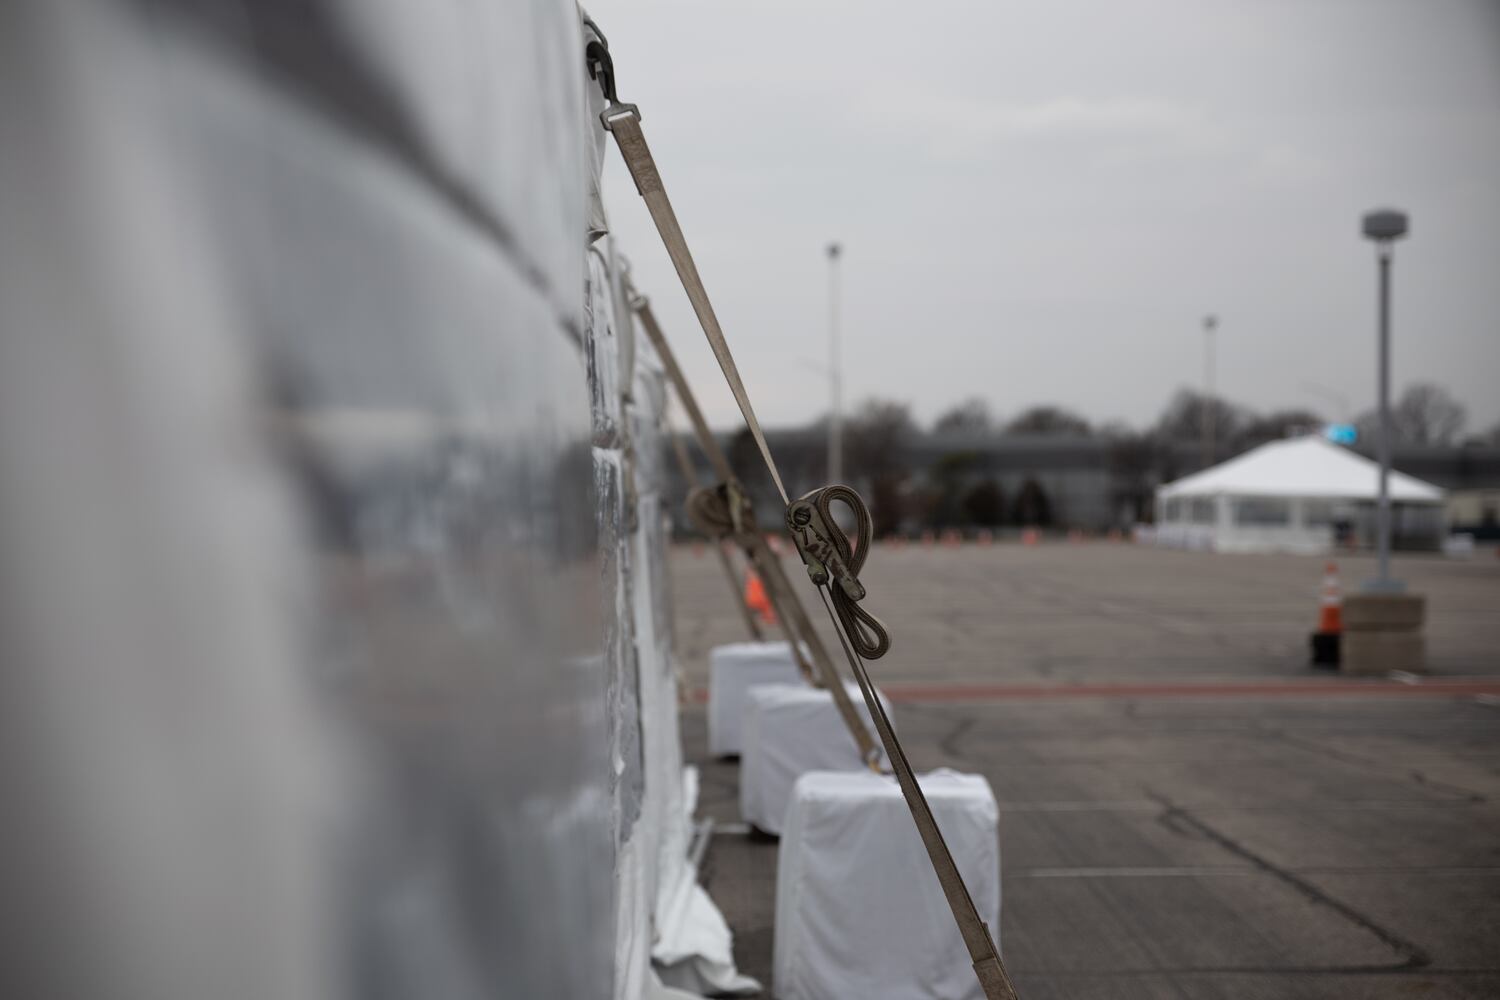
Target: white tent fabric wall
(1285, 496)
(666, 805)
(302, 693)
(660, 911)
(306, 378)
(692, 947)
(622, 667)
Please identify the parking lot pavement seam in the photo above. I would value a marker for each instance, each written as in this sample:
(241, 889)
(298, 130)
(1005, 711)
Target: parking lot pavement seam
(949, 743)
(1417, 957)
(1366, 764)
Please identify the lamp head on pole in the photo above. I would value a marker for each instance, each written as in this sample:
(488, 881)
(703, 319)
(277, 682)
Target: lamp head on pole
(1384, 225)
(1210, 322)
(834, 250)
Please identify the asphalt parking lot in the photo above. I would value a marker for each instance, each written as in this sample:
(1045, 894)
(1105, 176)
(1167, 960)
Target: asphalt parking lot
(1187, 809)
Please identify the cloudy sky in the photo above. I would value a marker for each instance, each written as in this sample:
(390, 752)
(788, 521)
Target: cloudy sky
(1039, 203)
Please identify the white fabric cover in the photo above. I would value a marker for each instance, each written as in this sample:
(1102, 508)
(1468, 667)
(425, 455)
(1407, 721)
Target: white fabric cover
(859, 912)
(788, 730)
(694, 949)
(734, 669)
(702, 959)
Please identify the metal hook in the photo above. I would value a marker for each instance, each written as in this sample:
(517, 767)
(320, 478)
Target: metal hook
(601, 67)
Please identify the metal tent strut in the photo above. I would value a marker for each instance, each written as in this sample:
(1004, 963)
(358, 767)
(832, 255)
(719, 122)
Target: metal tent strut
(823, 546)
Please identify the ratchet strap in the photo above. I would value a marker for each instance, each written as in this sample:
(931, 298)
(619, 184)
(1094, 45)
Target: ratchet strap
(825, 549)
(724, 511)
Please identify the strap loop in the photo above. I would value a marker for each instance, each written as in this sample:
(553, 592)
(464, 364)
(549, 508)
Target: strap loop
(834, 561)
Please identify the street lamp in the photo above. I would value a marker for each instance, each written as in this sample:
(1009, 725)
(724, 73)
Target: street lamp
(1210, 323)
(1384, 227)
(835, 378)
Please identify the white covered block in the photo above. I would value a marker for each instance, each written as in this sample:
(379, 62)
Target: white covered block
(732, 671)
(859, 912)
(788, 730)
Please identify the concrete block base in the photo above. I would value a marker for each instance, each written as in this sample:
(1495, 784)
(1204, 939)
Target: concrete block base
(1378, 653)
(1383, 632)
(1384, 612)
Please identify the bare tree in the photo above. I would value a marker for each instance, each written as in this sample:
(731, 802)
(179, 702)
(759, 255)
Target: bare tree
(1277, 425)
(877, 434)
(1049, 420)
(984, 504)
(1133, 459)
(1032, 507)
(973, 414)
(876, 438)
(1183, 418)
(1425, 414)
(949, 476)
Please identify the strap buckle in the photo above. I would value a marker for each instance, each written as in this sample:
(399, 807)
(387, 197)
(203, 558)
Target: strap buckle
(814, 538)
(618, 111)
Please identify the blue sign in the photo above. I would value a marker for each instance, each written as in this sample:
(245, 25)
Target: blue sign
(1341, 433)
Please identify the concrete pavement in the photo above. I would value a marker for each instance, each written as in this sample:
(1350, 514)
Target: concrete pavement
(1183, 845)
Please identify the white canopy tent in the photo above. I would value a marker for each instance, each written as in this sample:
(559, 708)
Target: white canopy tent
(1289, 496)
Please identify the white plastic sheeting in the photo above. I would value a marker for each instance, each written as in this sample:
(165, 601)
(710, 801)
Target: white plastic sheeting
(859, 912)
(789, 730)
(733, 669)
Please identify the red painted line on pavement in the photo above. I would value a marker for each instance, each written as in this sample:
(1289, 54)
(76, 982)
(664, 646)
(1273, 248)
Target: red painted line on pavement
(1429, 688)
(1226, 689)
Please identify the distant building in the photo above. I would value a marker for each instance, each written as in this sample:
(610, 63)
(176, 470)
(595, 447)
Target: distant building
(968, 480)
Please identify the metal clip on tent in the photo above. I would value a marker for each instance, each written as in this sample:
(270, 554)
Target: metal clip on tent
(602, 69)
(601, 66)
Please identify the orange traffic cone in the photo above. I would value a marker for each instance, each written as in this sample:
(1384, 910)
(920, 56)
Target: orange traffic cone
(1331, 603)
(756, 599)
(1328, 638)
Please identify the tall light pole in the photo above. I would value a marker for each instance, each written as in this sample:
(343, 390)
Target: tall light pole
(1210, 323)
(1385, 227)
(835, 375)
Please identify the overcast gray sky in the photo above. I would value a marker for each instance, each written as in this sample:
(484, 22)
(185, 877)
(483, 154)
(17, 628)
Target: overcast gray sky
(1038, 203)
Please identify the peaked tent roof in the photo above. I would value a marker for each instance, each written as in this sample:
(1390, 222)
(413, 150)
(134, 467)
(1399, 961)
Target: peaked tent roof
(1300, 467)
